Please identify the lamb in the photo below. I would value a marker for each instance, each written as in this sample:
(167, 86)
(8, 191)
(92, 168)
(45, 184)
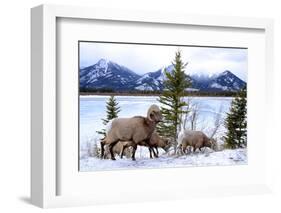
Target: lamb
(154, 142)
(136, 129)
(157, 141)
(118, 149)
(195, 139)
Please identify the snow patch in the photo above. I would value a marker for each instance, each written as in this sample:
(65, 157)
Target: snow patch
(207, 158)
(218, 86)
(144, 87)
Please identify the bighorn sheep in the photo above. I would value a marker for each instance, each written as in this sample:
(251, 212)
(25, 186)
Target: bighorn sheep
(154, 142)
(136, 129)
(195, 139)
(118, 149)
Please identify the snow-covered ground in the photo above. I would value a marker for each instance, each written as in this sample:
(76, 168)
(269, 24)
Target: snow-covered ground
(92, 110)
(221, 158)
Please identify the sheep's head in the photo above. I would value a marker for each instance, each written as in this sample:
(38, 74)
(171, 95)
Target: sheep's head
(212, 144)
(166, 144)
(154, 113)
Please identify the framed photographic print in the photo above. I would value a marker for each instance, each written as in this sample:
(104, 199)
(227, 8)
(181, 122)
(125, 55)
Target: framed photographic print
(142, 104)
(211, 104)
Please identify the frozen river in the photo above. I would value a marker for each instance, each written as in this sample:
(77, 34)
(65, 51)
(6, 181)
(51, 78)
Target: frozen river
(93, 109)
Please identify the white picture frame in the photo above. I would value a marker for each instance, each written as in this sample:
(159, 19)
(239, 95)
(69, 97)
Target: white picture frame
(44, 84)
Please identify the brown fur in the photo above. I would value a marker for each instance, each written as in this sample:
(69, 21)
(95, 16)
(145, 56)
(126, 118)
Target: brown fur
(136, 129)
(117, 150)
(155, 142)
(195, 139)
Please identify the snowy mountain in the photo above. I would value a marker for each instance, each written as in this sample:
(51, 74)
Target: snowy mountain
(152, 80)
(107, 74)
(225, 81)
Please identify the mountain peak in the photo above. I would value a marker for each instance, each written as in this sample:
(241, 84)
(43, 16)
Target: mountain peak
(102, 62)
(226, 72)
(227, 81)
(105, 74)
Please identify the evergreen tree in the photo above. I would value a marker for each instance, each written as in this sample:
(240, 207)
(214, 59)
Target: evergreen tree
(112, 111)
(236, 122)
(171, 99)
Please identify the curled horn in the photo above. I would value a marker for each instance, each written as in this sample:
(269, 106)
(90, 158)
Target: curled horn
(153, 108)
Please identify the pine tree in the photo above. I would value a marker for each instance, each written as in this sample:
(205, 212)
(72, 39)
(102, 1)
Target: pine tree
(112, 110)
(175, 85)
(236, 122)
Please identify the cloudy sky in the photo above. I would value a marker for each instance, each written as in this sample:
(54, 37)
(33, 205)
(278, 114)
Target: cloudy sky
(149, 58)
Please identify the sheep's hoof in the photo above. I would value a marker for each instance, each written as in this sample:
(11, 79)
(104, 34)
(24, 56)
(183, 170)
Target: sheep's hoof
(133, 159)
(113, 159)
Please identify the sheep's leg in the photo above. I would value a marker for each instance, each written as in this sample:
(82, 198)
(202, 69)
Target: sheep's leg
(154, 153)
(194, 149)
(184, 149)
(150, 152)
(134, 152)
(122, 151)
(157, 152)
(111, 149)
(102, 149)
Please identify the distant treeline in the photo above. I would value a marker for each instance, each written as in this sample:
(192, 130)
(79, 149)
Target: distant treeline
(108, 91)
